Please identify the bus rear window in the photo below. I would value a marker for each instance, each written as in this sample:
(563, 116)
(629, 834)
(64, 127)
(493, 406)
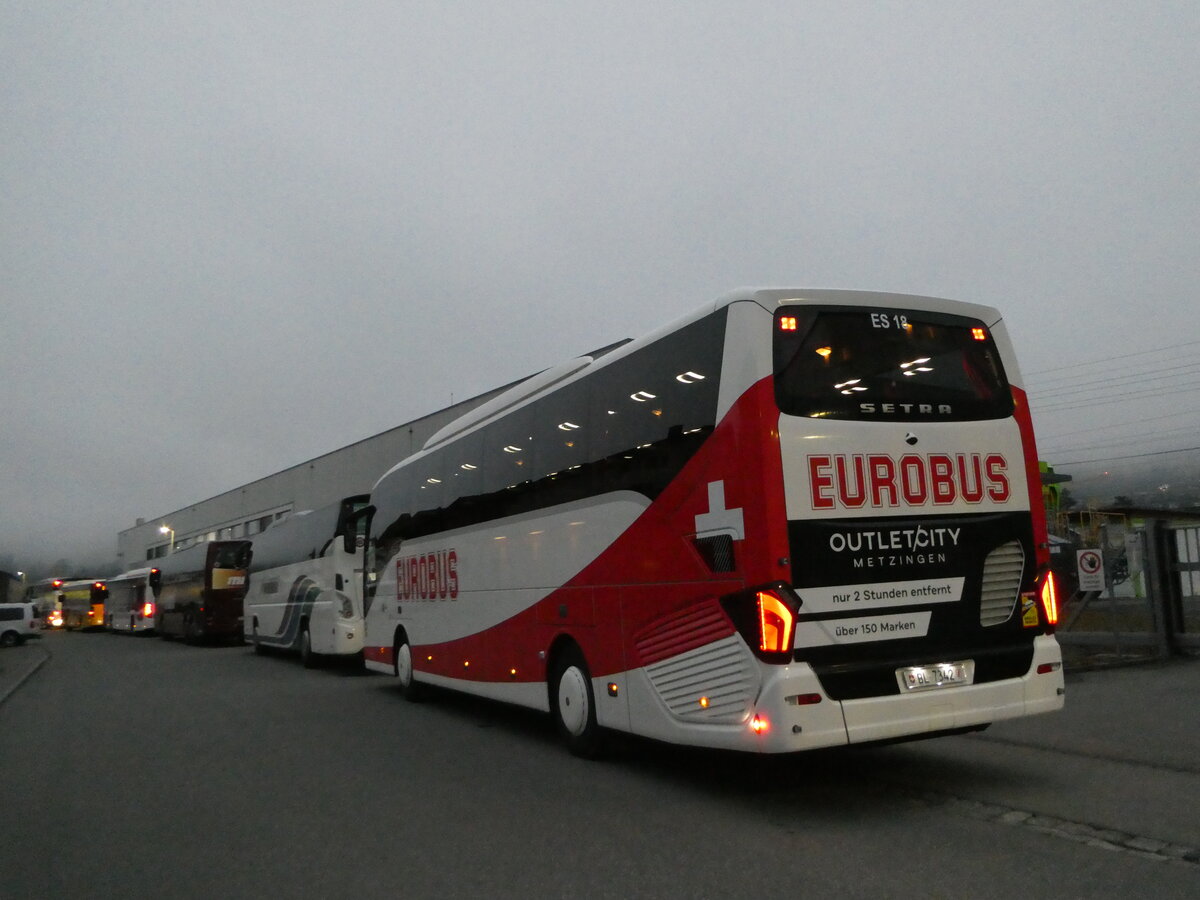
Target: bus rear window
(887, 365)
(232, 556)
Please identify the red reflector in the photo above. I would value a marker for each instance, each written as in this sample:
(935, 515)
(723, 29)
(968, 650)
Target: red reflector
(787, 323)
(1047, 668)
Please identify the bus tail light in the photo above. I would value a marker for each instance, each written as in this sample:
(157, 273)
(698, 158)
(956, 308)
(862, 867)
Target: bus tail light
(147, 610)
(765, 617)
(1049, 594)
(775, 623)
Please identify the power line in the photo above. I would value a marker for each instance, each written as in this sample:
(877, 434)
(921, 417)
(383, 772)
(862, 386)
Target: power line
(1108, 459)
(1109, 361)
(1187, 369)
(1112, 398)
(1158, 436)
(1111, 425)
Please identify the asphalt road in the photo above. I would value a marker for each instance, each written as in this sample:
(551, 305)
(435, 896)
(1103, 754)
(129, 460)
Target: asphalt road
(134, 767)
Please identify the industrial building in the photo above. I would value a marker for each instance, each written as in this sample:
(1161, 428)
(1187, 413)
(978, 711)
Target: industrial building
(246, 510)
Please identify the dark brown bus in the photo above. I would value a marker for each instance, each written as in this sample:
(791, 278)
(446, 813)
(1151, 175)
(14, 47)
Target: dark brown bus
(199, 591)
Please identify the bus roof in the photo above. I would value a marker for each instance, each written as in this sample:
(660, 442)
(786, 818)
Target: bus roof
(769, 298)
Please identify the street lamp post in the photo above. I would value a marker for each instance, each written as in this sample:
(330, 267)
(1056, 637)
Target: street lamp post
(167, 529)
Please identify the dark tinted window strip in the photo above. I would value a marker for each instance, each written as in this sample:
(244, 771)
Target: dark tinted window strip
(887, 364)
(630, 426)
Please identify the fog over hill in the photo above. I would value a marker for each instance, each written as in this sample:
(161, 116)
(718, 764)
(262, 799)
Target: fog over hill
(1168, 481)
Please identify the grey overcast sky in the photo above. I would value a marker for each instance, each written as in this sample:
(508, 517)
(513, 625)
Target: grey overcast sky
(237, 235)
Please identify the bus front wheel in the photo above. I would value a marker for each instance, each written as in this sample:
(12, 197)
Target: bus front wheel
(574, 705)
(307, 658)
(409, 686)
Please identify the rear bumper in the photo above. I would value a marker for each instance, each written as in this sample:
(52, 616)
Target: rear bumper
(881, 718)
(795, 723)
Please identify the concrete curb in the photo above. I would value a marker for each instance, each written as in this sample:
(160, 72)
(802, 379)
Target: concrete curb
(9, 685)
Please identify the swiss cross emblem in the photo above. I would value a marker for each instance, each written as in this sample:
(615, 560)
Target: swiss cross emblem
(718, 519)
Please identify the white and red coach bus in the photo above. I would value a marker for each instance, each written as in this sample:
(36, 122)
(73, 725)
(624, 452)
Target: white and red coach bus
(793, 519)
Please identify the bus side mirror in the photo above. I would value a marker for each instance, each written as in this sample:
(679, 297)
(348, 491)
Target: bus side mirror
(358, 526)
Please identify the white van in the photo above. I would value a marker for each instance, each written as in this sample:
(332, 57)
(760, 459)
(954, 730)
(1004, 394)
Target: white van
(18, 621)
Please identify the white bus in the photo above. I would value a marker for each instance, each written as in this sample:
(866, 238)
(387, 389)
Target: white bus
(305, 584)
(46, 595)
(130, 604)
(793, 519)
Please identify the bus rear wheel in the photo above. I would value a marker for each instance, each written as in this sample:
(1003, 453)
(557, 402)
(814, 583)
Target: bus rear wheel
(573, 704)
(259, 647)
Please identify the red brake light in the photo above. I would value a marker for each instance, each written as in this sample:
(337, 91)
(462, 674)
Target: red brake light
(1050, 599)
(787, 323)
(980, 334)
(775, 622)
(147, 610)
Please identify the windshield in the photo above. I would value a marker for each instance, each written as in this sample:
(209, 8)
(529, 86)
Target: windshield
(887, 365)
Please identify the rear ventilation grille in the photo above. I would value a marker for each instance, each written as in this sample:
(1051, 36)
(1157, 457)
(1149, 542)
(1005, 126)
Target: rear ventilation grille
(717, 552)
(715, 684)
(1001, 583)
